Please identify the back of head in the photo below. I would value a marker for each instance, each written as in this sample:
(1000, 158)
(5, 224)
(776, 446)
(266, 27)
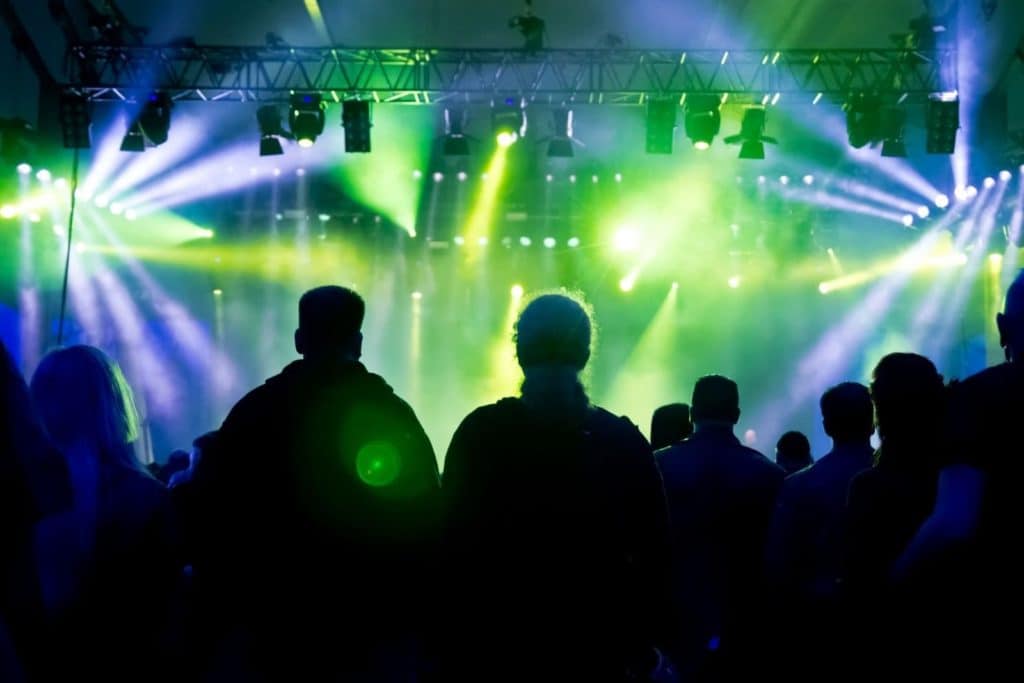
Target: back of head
(793, 452)
(553, 336)
(909, 398)
(84, 401)
(1011, 321)
(330, 319)
(847, 413)
(716, 400)
(670, 424)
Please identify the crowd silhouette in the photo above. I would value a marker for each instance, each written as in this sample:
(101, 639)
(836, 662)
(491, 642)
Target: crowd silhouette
(311, 536)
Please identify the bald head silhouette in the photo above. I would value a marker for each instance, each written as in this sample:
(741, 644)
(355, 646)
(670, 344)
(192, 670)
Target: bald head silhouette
(1011, 321)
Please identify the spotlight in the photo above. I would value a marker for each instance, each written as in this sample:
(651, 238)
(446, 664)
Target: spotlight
(306, 118)
(355, 118)
(8, 211)
(134, 140)
(893, 121)
(626, 239)
(808, 179)
(549, 177)
(573, 242)
(456, 144)
(1005, 176)
(989, 182)
(509, 122)
(550, 242)
(438, 176)
(734, 282)
(561, 142)
(43, 176)
(459, 240)
(942, 121)
(908, 220)
(417, 295)
(618, 177)
(130, 214)
(525, 241)
(784, 179)
(75, 121)
(703, 120)
(517, 291)
(572, 178)
(960, 192)
(661, 125)
(155, 118)
(482, 241)
(462, 176)
(863, 121)
(923, 212)
(268, 118)
(627, 283)
(594, 179)
(417, 174)
(941, 201)
(24, 169)
(751, 137)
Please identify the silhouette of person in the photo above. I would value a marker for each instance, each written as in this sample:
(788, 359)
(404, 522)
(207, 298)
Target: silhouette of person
(557, 533)
(960, 558)
(34, 483)
(807, 540)
(111, 558)
(889, 502)
(320, 501)
(670, 424)
(721, 495)
(793, 452)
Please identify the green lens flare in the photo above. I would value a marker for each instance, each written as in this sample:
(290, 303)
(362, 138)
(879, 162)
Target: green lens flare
(378, 464)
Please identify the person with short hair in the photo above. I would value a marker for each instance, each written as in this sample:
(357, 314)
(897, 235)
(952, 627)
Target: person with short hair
(670, 424)
(721, 495)
(318, 504)
(793, 452)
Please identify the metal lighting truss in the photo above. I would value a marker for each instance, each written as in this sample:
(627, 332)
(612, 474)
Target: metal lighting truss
(428, 76)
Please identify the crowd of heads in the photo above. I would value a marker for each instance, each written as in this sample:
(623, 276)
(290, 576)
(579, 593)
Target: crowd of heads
(830, 529)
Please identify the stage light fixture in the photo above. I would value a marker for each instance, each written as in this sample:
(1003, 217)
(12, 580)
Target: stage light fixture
(908, 220)
(509, 122)
(751, 137)
(893, 121)
(525, 241)
(75, 121)
(517, 291)
(734, 282)
(923, 211)
(355, 118)
(703, 120)
(941, 201)
(23, 168)
(1005, 176)
(306, 118)
(550, 242)
(155, 118)
(989, 182)
(863, 121)
(134, 140)
(43, 175)
(942, 121)
(561, 143)
(661, 125)
(573, 242)
(268, 118)
(456, 144)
